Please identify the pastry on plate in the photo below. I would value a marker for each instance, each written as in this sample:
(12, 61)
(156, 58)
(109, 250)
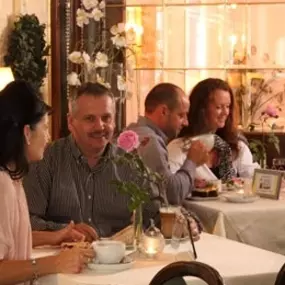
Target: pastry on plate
(234, 184)
(205, 189)
(126, 235)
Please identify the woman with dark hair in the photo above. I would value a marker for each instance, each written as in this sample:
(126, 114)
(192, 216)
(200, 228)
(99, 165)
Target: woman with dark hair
(213, 110)
(23, 137)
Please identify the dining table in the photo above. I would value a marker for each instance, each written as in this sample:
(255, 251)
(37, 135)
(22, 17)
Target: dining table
(237, 263)
(260, 223)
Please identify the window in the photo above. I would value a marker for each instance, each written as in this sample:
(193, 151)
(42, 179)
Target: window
(186, 41)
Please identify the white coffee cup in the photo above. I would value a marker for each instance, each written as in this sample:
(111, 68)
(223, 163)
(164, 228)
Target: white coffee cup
(207, 139)
(109, 251)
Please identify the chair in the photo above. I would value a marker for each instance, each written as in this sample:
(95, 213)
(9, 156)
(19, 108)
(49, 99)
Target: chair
(174, 272)
(280, 279)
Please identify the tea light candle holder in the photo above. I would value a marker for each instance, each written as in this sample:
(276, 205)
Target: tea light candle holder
(152, 242)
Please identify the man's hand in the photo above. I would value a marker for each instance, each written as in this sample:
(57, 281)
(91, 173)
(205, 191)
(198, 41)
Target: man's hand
(198, 153)
(180, 218)
(68, 234)
(89, 232)
(194, 229)
(194, 226)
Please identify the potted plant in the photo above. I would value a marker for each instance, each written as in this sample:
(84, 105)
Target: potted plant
(27, 50)
(258, 147)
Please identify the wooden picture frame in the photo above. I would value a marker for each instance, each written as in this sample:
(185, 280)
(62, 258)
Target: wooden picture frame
(267, 183)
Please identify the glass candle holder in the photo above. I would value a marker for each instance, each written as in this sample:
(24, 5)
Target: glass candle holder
(152, 242)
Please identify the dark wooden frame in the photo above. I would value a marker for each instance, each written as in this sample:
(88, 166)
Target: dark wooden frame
(55, 67)
(59, 67)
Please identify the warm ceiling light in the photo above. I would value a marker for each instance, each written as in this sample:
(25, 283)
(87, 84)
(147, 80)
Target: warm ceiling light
(6, 76)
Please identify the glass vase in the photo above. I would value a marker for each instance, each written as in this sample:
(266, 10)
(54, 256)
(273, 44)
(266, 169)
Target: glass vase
(138, 226)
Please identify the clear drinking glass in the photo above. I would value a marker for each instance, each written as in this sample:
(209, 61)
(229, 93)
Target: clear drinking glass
(247, 186)
(177, 233)
(247, 170)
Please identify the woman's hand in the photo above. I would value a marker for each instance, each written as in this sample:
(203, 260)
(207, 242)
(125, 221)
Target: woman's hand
(73, 260)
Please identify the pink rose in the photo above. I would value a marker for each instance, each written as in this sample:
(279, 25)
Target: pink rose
(271, 111)
(128, 141)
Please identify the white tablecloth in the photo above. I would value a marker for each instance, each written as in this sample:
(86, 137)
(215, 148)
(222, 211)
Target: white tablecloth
(238, 264)
(261, 223)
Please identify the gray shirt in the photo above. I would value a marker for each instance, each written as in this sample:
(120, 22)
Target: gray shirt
(62, 187)
(155, 155)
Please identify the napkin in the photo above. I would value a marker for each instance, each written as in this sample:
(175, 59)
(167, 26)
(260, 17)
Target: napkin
(204, 172)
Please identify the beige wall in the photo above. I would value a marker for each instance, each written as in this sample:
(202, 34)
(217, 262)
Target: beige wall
(9, 10)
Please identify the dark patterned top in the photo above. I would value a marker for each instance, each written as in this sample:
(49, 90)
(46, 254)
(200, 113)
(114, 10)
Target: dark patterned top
(224, 170)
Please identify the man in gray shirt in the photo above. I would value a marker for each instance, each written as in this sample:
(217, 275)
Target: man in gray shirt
(73, 181)
(166, 108)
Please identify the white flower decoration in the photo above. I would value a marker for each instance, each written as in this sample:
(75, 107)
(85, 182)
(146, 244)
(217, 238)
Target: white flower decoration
(101, 81)
(85, 57)
(117, 29)
(73, 79)
(101, 59)
(81, 18)
(97, 14)
(78, 58)
(121, 83)
(102, 5)
(75, 57)
(89, 4)
(119, 41)
(90, 67)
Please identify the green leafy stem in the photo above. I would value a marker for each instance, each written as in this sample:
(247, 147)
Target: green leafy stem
(138, 190)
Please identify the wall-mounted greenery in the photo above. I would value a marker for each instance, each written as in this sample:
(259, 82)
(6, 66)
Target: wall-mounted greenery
(27, 50)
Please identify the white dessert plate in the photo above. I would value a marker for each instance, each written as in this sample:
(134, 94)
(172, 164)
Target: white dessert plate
(204, 198)
(239, 198)
(184, 239)
(112, 268)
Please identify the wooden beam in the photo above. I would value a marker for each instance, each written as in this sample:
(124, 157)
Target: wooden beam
(55, 67)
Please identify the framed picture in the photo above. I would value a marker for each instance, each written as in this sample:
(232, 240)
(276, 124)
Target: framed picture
(267, 183)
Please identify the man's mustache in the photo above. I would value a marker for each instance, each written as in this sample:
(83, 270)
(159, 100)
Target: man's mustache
(97, 134)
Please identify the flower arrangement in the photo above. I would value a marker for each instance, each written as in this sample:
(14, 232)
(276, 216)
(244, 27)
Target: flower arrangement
(139, 190)
(254, 99)
(258, 147)
(109, 50)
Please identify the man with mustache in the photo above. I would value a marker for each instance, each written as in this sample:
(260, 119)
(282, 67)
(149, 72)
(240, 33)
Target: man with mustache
(73, 181)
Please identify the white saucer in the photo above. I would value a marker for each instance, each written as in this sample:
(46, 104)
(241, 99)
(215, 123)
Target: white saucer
(184, 239)
(204, 198)
(111, 268)
(238, 198)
